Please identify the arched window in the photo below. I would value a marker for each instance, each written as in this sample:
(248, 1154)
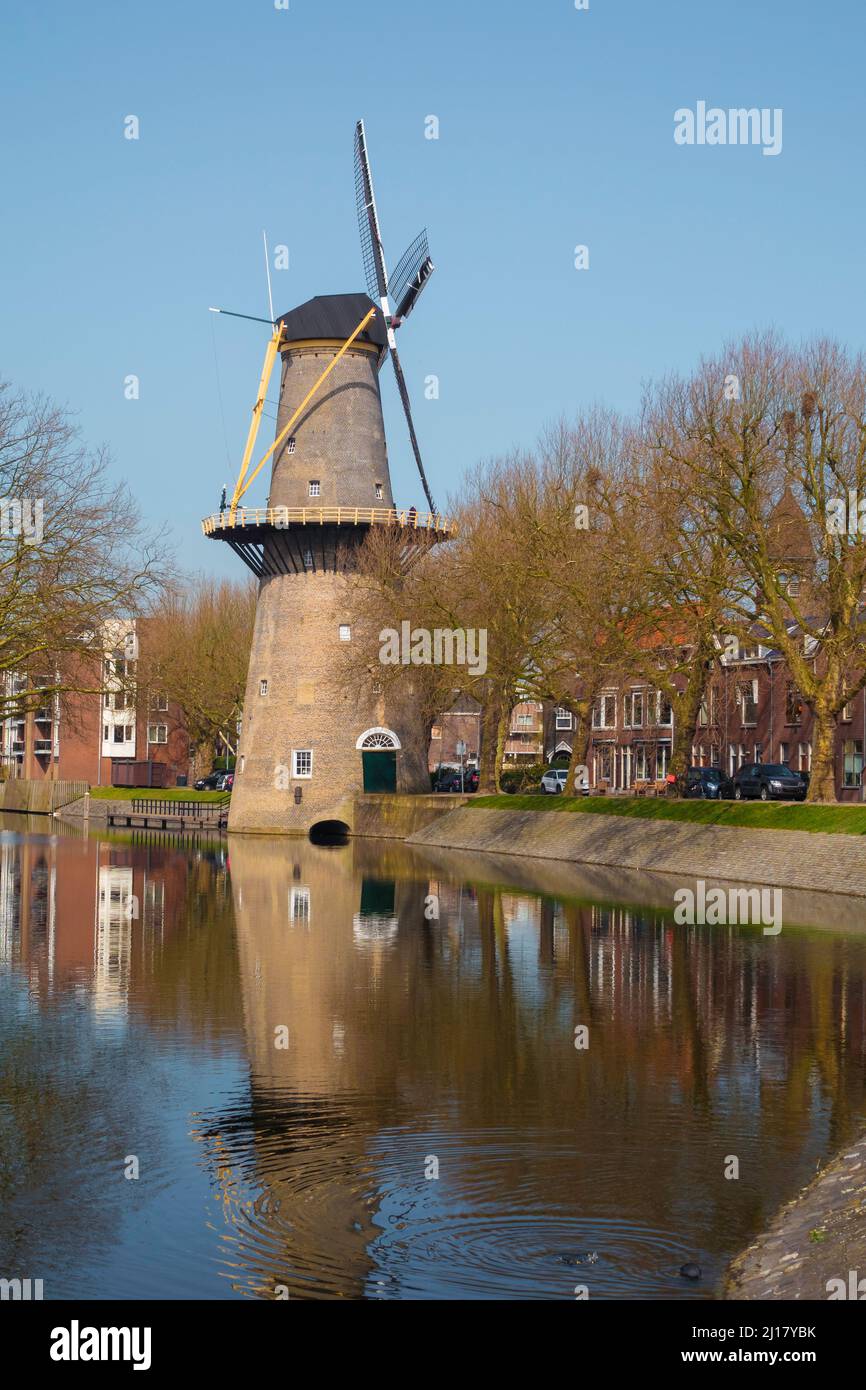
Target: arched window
(379, 738)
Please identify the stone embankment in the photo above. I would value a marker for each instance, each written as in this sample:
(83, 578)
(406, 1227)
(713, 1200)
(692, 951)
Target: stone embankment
(816, 1246)
(793, 859)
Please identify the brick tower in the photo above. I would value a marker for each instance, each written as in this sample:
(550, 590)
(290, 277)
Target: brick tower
(308, 744)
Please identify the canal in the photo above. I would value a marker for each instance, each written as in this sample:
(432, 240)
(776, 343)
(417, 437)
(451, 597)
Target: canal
(259, 1068)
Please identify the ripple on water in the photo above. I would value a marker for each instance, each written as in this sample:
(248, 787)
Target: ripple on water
(316, 1204)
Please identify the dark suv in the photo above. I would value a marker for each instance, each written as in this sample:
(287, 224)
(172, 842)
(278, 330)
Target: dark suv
(449, 780)
(769, 781)
(709, 782)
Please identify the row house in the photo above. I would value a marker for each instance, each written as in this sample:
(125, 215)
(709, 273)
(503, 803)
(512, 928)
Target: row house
(752, 712)
(456, 728)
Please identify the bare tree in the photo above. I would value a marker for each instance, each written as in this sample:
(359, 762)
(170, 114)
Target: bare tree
(195, 649)
(75, 555)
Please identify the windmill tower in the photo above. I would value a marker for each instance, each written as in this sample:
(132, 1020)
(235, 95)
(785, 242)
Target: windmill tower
(309, 747)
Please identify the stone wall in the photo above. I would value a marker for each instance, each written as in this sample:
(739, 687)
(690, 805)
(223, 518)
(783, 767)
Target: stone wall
(399, 817)
(38, 798)
(777, 858)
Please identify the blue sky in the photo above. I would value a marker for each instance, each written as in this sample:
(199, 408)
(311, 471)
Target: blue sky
(556, 128)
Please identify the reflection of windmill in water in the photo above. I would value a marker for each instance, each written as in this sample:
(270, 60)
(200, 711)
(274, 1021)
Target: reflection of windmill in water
(308, 746)
(295, 1166)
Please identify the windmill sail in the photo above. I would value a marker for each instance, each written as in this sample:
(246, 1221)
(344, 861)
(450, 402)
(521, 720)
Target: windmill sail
(404, 397)
(412, 274)
(368, 220)
(410, 277)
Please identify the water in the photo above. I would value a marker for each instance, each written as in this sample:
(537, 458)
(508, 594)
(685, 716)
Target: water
(290, 1045)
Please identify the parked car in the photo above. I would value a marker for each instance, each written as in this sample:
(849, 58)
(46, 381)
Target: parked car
(555, 782)
(805, 778)
(769, 781)
(710, 782)
(449, 780)
(216, 782)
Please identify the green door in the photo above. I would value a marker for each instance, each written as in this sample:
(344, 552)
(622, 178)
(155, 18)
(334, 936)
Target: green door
(380, 770)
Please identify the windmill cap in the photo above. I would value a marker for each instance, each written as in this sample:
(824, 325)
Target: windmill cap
(335, 316)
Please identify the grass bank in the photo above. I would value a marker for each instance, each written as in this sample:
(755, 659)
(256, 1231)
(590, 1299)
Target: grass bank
(153, 794)
(758, 815)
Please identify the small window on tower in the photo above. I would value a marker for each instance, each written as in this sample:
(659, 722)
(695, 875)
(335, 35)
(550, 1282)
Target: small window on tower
(308, 559)
(314, 487)
(379, 491)
(302, 762)
(345, 632)
(290, 446)
(263, 687)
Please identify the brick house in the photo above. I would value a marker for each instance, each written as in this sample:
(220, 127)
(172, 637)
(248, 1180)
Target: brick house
(752, 712)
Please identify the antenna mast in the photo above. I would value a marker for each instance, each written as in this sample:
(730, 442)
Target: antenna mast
(268, 274)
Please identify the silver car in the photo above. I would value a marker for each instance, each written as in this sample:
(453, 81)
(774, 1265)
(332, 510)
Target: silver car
(554, 782)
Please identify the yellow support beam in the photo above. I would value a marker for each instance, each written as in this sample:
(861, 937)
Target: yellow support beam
(240, 490)
(270, 358)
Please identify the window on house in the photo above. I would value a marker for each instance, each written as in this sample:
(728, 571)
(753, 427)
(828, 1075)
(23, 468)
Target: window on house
(436, 732)
(263, 687)
(793, 704)
(749, 651)
(157, 733)
(759, 753)
(604, 713)
(632, 710)
(847, 713)
(379, 493)
(804, 756)
(640, 763)
(106, 733)
(715, 755)
(665, 709)
(747, 693)
(703, 713)
(853, 754)
(345, 632)
(790, 584)
(661, 762)
(302, 762)
(524, 721)
(291, 444)
(563, 719)
(784, 752)
(119, 732)
(159, 703)
(314, 487)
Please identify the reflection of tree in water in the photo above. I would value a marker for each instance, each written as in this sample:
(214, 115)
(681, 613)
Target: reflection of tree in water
(459, 1032)
(80, 1090)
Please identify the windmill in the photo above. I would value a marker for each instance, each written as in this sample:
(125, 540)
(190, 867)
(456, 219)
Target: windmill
(405, 286)
(312, 739)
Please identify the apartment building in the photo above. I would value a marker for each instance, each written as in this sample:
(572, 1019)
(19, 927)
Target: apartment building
(100, 732)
